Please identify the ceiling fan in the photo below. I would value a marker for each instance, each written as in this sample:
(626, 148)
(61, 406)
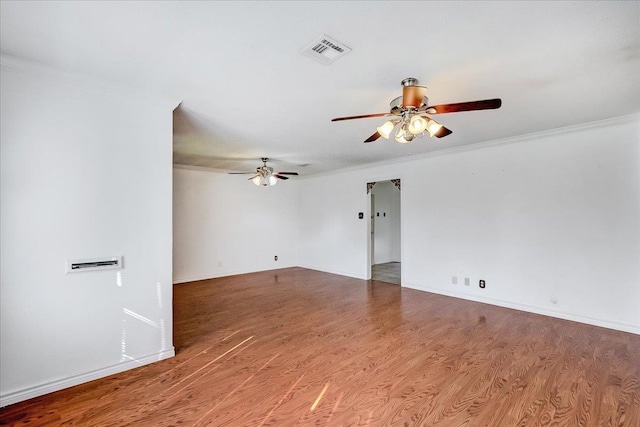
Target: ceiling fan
(410, 114)
(264, 174)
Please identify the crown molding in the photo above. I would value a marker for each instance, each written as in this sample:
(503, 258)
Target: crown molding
(200, 168)
(83, 81)
(631, 118)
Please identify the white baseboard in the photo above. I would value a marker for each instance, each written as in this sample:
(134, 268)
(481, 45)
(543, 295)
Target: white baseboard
(530, 309)
(218, 274)
(21, 395)
(333, 271)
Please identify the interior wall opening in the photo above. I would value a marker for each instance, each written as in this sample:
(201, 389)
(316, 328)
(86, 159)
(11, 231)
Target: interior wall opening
(385, 231)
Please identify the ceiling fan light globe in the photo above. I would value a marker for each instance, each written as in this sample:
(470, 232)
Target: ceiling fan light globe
(257, 180)
(402, 136)
(385, 129)
(272, 180)
(433, 127)
(417, 125)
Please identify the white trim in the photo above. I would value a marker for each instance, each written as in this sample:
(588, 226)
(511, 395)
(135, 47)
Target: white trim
(485, 144)
(305, 266)
(201, 168)
(178, 280)
(21, 395)
(83, 81)
(624, 327)
(337, 272)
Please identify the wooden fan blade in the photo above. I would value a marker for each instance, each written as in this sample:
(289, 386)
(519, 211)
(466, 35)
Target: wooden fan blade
(443, 132)
(253, 177)
(373, 137)
(240, 173)
(412, 95)
(280, 176)
(365, 116)
(287, 173)
(487, 104)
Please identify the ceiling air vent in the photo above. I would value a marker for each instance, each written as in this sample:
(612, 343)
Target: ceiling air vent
(325, 49)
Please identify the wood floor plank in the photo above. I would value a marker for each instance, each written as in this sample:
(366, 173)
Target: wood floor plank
(300, 347)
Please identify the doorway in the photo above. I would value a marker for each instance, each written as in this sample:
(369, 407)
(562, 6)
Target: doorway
(385, 236)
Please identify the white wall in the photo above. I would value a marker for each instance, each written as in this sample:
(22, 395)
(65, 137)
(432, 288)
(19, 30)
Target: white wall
(332, 238)
(386, 217)
(224, 225)
(550, 221)
(85, 172)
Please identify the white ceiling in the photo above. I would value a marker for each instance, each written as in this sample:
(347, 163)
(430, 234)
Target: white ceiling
(248, 92)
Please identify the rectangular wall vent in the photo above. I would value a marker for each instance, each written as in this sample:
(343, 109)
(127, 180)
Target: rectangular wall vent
(326, 50)
(74, 266)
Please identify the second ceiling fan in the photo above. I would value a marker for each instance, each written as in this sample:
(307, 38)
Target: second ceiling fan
(264, 175)
(410, 114)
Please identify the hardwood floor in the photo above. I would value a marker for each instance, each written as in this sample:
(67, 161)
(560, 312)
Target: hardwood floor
(301, 347)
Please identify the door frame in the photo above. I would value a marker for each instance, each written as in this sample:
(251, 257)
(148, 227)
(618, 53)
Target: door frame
(368, 213)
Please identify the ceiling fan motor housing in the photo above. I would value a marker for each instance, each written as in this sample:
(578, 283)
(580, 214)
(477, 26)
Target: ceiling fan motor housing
(410, 81)
(410, 114)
